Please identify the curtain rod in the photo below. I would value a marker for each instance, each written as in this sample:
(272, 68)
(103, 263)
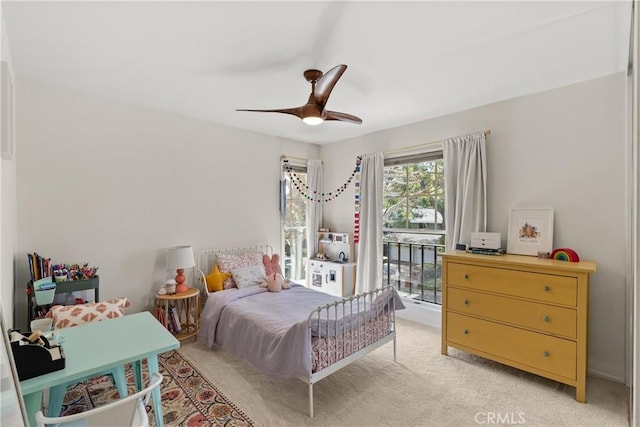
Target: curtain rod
(284, 156)
(486, 133)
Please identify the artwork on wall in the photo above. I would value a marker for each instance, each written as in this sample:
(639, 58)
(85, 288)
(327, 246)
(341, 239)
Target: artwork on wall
(530, 231)
(7, 132)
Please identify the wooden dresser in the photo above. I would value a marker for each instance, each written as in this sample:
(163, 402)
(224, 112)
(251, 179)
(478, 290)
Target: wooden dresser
(523, 311)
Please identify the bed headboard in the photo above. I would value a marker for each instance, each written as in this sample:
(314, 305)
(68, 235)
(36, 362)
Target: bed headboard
(207, 257)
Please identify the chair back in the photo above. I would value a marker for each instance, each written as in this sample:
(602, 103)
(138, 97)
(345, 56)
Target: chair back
(128, 411)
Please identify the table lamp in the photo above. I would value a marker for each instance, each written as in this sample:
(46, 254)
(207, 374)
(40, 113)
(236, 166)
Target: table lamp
(181, 257)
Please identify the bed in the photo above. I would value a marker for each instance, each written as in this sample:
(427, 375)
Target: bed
(297, 332)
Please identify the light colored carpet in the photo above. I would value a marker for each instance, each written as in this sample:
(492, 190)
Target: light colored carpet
(424, 388)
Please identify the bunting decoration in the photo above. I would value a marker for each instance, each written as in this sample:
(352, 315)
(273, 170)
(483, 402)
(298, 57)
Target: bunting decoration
(356, 215)
(313, 195)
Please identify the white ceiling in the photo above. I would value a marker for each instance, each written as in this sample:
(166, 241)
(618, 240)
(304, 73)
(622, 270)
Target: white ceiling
(408, 61)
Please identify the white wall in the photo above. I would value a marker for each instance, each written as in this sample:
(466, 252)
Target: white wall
(8, 205)
(564, 149)
(107, 176)
(115, 185)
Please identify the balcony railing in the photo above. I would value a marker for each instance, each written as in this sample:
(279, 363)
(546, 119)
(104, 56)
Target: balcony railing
(414, 268)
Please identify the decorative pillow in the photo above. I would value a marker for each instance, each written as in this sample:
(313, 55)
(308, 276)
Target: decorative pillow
(215, 279)
(271, 264)
(65, 316)
(228, 262)
(248, 276)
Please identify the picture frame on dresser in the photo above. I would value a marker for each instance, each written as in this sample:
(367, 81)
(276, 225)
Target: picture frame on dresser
(530, 231)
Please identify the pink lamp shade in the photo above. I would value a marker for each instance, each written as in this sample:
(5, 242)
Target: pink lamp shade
(179, 258)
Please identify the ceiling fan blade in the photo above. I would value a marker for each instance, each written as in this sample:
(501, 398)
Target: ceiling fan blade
(325, 85)
(343, 117)
(296, 111)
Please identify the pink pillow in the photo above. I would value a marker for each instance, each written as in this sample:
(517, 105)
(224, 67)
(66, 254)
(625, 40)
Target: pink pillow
(228, 262)
(65, 316)
(272, 264)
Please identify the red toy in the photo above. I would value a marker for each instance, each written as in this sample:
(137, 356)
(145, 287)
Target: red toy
(565, 254)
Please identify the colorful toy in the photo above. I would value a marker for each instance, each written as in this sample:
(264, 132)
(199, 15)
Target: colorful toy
(565, 254)
(275, 283)
(271, 264)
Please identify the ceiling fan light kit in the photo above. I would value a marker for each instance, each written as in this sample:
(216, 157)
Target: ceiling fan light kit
(314, 111)
(312, 121)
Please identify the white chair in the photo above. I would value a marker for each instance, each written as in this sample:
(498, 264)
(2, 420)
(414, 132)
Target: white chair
(127, 411)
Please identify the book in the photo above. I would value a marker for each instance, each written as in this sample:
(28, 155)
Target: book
(175, 319)
(38, 267)
(486, 251)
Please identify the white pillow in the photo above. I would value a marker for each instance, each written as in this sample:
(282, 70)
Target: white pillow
(244, 277)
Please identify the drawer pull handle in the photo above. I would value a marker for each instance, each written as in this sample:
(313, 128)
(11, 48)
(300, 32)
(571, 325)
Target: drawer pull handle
(465, 302)
(546, 354)
(465, 331)
(466, 276)
(547, 288)
(546, 318)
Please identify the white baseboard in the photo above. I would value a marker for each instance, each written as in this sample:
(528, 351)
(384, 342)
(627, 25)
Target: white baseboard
(600, 374)
(421, 312)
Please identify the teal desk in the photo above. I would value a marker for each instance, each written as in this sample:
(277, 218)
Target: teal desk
(95, 347)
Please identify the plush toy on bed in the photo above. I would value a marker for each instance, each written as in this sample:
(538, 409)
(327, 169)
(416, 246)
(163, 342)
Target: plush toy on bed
(271, 264)
(275, 283)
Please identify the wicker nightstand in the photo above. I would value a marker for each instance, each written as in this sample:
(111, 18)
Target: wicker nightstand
(180, 313)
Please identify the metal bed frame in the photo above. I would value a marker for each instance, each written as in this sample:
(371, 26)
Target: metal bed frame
(359, 306)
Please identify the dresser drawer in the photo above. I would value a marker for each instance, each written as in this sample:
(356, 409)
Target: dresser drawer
(544, 352)
(543, 287)
(542, 317)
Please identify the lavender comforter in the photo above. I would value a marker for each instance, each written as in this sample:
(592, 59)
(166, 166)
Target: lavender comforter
(265, 328)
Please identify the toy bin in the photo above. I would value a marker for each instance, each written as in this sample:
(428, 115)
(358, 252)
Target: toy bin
(45, 294)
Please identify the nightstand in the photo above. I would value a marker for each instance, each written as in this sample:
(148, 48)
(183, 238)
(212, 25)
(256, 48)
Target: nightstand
(180, 313)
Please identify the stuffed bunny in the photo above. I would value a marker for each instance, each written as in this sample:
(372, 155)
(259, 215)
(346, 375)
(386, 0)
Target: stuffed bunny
(271, 264)
(275, 283)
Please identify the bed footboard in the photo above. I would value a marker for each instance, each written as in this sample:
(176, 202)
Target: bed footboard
(344, 331)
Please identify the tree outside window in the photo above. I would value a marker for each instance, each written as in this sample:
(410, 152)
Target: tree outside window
(414, 196)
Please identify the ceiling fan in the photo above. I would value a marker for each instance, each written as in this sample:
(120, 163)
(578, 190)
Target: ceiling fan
(314, 111)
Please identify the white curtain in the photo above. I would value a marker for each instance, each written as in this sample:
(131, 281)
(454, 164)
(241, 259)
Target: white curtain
(465, 187)
(314, 208)
(369, 263)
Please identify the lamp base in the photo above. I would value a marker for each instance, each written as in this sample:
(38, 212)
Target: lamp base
(181, 286)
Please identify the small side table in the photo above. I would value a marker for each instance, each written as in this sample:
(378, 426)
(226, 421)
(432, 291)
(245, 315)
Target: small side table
(187, 309)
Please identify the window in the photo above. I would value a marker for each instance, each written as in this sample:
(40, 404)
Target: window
(414, 225)
(414, 193)
(294, 224)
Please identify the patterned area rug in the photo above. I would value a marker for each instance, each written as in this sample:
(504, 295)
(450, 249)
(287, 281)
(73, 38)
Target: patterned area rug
(188, 398)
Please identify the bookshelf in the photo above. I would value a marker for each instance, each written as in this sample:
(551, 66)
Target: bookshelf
(179, 313)
(61, 288)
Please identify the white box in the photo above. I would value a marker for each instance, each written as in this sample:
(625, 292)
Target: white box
(485, 240)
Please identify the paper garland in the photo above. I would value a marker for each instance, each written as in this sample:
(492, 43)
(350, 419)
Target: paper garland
(304, 189)
(356, 215)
